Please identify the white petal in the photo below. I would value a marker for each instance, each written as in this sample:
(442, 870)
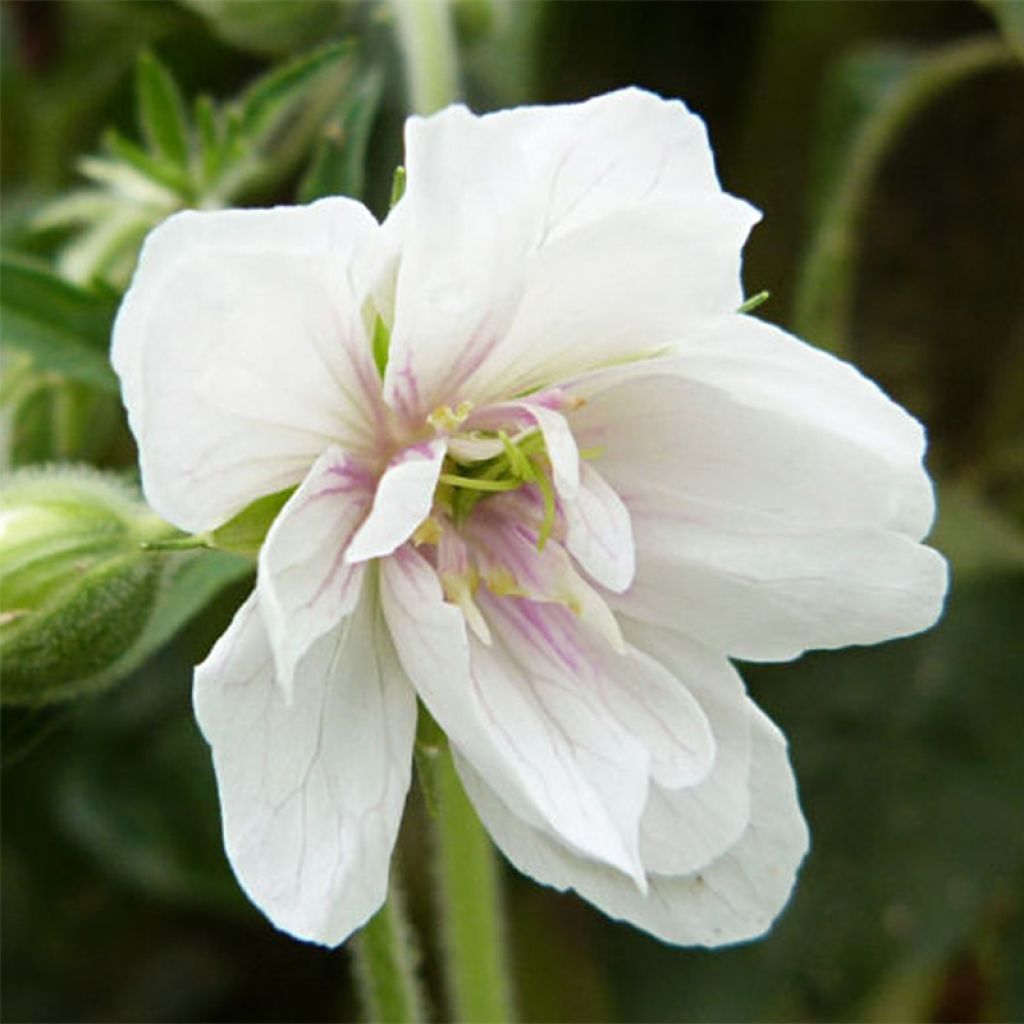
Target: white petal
(734, 898)
(685, 828)
(547, 242)
(768, 519)
(463, 245)
(746, 414)
(403, 500)
(765, 590)
(312, 792)
(622, 288)
(599, 532)
(242, 353)
(615, 151)
(305, 585)
(558, 756)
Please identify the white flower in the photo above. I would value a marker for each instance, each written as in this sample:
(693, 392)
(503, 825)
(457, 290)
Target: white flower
(674, 484)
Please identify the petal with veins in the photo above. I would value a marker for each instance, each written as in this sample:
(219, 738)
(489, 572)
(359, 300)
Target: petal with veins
(305, 585)
(311, 792)
(599, 532)
(557, 754)
(733, 898)
(242, 353)
(768, 518)
(616, 151)
(463, 244)
(404, 496)
(552, 263)
(687, 827)
(621, 289)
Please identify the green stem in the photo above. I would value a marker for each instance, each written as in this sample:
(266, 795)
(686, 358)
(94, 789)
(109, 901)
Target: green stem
(385, 964)
(825, 291)
(468, 880)
(427, 38)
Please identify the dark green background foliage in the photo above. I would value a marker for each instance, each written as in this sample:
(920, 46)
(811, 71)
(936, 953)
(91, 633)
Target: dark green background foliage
(117, 902)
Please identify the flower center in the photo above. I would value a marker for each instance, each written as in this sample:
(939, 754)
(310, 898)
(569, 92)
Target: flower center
(482, 463)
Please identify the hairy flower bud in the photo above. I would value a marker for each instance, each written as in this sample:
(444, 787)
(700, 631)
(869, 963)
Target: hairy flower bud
(76, 585)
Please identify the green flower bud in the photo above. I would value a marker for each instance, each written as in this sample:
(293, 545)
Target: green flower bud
(76, 586)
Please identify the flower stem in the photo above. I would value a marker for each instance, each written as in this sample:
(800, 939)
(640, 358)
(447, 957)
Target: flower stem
(385, 964)
(468, 882)
(427, 38)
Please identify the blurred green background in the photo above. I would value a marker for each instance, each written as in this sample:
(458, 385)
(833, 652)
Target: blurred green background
(885, 144)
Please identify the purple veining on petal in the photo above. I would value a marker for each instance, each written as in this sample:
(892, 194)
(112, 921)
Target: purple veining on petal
(549, 629)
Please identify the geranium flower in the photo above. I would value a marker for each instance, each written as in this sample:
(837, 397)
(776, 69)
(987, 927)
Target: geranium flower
(547, 479)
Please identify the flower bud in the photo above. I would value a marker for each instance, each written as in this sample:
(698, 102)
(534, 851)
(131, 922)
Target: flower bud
(76, 586)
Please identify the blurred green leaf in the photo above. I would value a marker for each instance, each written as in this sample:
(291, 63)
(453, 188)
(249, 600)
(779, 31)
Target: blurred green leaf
(338, 166)
(64, 328)
(1009, 16)
(261, 106)
(270, 27)
(874, 95)
(154, 827)
(238, 149)
(973, 534)
(162, 111)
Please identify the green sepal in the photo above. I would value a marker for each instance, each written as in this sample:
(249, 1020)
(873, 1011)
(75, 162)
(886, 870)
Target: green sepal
(244, 534)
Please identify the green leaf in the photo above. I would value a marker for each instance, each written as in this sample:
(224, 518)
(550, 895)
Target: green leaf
(262, 104)
(339, 163)
(211, 141)
(974, 535)
(873, 97)
(155, 168)
(162, 111)
(270, 27)
(1009, 16)
(65, 329)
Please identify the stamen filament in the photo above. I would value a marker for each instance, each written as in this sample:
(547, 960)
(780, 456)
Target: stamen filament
(547, 493)
(478, 483)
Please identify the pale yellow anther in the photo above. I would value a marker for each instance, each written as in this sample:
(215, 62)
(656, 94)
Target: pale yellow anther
(459, 589)
(446, 419)
(502, 583)
(428, 532)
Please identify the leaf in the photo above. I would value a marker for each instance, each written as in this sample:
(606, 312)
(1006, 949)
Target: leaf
(154, 168)
(1009, 16)
(263, 102)
(339, 163)
(974, 535)
(888, 91)
(162, 111)
(270, 27)
(65, 329)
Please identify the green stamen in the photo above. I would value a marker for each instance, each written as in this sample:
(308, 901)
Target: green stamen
(518, 462)
(473, 483)
(547, 492)
(381, 346)
(753, 302)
